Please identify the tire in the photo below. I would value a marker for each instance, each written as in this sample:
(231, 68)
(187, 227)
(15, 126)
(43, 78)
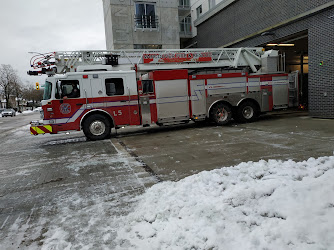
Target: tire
(247, 112)
(97, 127)
(221, 114)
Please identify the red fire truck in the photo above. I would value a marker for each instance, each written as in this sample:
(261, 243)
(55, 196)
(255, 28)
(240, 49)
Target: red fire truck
(96, 91)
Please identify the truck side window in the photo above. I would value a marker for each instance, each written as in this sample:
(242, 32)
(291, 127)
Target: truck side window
(68, 88)
(147, 86)
(114, 86)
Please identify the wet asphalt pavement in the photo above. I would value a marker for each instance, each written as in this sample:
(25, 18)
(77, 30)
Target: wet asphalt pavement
(43, 177)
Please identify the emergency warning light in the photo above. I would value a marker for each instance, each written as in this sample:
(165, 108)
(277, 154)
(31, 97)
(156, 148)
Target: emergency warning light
(37, 85)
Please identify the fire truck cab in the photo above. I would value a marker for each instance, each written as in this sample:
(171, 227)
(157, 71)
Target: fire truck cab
(105, 99)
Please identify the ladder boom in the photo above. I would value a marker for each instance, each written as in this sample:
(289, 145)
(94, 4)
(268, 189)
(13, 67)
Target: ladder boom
(68, 61)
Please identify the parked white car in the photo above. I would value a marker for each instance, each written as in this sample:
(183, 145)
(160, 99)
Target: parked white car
(8, 112)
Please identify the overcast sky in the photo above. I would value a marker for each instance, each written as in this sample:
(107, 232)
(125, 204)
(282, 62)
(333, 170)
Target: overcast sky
(48, 26)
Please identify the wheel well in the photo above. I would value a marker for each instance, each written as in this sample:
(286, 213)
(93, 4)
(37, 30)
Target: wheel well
(252, 101)
(100, 112)
(217, 102)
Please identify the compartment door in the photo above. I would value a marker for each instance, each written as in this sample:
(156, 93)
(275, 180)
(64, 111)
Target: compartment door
(198, 98)
(145, 109)
(97, 90)
(172, 100)
(280, 91)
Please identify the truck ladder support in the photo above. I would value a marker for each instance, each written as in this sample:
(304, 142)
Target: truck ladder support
(68, 61)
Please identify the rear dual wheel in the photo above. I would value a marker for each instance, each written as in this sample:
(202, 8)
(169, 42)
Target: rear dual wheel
(247, 112)
(221, 114)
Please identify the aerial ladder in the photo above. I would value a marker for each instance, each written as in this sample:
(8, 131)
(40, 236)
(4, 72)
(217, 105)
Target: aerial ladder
(256, 59)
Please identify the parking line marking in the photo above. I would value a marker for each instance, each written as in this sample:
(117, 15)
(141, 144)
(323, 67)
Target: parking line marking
(143, 164)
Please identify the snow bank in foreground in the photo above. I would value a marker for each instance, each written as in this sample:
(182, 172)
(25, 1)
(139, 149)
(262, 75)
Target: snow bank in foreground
(261, 205)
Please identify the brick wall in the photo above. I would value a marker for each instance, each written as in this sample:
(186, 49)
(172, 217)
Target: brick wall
(247, 17)
(321, 78)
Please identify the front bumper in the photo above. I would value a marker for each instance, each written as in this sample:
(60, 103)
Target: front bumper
(37, 128)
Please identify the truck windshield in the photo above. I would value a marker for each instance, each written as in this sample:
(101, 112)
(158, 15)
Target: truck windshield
(47, 90)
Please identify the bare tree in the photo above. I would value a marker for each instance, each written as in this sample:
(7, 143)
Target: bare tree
(8, 80)
(18, 92)
(31, 94)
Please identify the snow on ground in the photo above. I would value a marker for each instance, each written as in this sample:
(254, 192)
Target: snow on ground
(24, 130)
(27, 112)
(254, 205)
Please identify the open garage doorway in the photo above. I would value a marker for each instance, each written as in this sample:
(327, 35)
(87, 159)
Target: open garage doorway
(295, 49)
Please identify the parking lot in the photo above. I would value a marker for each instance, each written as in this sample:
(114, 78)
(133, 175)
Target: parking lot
(177, 152)
(61, 189)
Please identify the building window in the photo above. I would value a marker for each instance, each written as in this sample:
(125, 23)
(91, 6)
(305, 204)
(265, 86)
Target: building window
(199, 11)
(185, 26)
(114, 86)
(212, 3)
(145, 16)
(184, 3)
(147, 46)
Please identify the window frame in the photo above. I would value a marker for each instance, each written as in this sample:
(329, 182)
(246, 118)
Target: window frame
(147, 46)
(59, 88)
(47, 90)
(199, 11)
(145, 7)
(116, 93)
(147, 87)
(143, 20)
(212, 3)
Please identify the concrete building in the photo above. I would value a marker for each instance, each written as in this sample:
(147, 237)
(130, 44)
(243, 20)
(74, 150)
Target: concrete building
(185, 22)
(200, 8)
(302, 30)
(135, 24)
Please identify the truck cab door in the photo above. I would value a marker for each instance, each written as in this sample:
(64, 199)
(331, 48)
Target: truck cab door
(68, 101)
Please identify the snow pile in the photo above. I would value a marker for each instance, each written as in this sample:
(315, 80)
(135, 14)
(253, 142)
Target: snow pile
(38, 109)
(261, 205)
(25, 130)
(26, 112)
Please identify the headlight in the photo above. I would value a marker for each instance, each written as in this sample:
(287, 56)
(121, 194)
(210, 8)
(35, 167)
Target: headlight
(41, 113)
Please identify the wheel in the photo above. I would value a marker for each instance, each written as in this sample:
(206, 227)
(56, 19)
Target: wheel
(97, 127)
(221, 114)
(247, 112)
